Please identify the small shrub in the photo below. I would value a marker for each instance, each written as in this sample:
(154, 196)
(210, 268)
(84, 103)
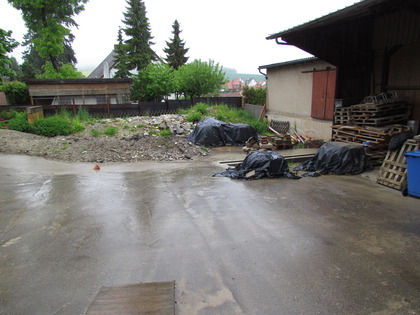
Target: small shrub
(77, 126)
(95, 133)
(182, 111)
(260, 126)
(193, 117)
(254, 95)
(201, 108)
(20, 123)
(111, 131)
(83, 114)
(165, 133)
(53, 126)
(65, 114)
(8, 114)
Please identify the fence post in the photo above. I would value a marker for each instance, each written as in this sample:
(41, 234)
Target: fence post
(74, 106)
(108, 110)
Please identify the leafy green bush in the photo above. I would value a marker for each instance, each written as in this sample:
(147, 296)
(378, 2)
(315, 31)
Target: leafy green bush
(165, 133)
(65, 114)
(20, 123)
(193, 116)
(111, 131)
(201, 108)
(256, 96)
(8, 114)
(76, 125)
(17, 93)
(53, 126)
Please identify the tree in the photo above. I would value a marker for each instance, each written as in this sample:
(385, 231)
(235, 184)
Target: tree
(176, 51)
(154, 83)
(49, 22)
(200, 78)
(137, 46)
(7, 44)
(66, 71)
(121, 60)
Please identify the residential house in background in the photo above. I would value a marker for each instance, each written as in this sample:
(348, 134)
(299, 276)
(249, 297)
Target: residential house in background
(302, 93)
(105, 69)
(251, 82)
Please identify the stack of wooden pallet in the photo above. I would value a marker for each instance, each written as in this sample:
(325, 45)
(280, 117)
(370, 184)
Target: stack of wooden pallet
(281, 141)
(375, 139)
(381, 114)
(342, 116)
(393, 172)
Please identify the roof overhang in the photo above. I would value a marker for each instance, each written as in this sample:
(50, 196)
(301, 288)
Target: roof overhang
(346, 37)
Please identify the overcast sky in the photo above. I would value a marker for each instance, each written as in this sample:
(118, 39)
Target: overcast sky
(231, 33)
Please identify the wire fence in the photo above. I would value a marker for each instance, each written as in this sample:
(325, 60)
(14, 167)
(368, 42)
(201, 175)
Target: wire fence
(134, 109)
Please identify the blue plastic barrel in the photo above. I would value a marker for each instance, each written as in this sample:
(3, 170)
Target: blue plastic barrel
(413, 172)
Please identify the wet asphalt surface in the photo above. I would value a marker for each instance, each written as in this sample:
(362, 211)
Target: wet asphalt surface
(327, 245)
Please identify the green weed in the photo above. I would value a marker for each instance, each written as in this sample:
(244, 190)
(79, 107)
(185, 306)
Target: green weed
(111, 131)
(165, 133)
(95, 133)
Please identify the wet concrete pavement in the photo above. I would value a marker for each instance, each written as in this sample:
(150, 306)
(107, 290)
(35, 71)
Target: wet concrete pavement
(327, 245)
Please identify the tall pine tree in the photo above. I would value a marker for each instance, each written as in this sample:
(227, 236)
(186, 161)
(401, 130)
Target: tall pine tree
(120, 58)
(176, 51)
(137, 46)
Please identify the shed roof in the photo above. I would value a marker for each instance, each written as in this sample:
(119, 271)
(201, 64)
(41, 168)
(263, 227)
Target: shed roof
(76, 81)
(360, 9)
(289, 63)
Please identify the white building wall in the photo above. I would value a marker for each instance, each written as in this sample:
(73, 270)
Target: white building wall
(290, 98)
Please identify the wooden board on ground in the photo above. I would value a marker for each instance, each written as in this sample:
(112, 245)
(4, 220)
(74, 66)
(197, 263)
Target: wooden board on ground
(142, 298)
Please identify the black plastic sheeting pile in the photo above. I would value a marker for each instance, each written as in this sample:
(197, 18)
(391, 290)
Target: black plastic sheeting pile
(339, 158)
(211, 132)
(259, 164)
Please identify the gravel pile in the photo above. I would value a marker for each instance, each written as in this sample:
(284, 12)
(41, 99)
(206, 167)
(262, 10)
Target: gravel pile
(136, 139)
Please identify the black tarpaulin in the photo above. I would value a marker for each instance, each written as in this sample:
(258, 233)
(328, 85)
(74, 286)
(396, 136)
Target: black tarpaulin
(259, 164)
(338, 158)
(211, 132)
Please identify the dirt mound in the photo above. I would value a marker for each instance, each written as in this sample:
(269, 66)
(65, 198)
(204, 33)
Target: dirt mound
(136, 139)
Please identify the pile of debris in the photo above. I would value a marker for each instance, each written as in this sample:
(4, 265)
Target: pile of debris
(276, 142)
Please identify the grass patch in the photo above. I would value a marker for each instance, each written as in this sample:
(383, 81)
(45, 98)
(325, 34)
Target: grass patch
(165, 133)
(226, 114)
(95, 133)
(111, 131)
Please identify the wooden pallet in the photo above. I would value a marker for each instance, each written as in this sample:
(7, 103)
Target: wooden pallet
(393, 172)
(380, 121)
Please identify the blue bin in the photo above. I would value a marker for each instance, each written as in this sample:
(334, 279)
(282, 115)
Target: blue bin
(413, 172)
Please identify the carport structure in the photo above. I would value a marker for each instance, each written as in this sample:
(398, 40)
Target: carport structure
(375, 45)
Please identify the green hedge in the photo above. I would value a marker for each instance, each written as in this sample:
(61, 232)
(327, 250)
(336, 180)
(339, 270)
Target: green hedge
(17, 93)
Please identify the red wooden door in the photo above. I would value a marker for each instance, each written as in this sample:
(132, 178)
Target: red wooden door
(323, 94)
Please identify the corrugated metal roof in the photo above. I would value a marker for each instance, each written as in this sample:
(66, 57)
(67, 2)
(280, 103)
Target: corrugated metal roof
(356, 10)
(288, 63)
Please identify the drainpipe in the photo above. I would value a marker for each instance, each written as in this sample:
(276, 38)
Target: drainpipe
(265, 75)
